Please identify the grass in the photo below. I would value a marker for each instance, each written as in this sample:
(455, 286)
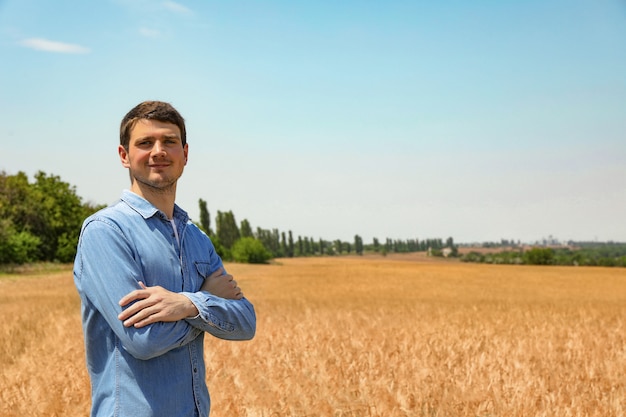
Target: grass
(363, 337)
(12, 271)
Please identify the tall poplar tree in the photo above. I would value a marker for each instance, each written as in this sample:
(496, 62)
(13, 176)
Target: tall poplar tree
(358, 245)
(226, 229)
(245, 229)
(283, 244)
(205, 218)
(300, 246)
(291, 245)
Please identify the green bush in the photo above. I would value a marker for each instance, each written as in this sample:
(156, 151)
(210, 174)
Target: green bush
(23, 248)
(250, 250)
(473, 257)
(539, 256)
(66, 247)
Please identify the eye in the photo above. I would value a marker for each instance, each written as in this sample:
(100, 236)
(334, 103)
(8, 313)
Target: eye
(171, 140)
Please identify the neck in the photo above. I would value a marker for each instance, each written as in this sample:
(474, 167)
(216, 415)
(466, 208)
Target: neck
(161, 198)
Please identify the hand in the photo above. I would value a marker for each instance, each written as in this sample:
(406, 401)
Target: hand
(222, 285)
(154, 304)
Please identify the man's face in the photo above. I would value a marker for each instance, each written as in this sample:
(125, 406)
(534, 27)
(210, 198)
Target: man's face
(156, 156)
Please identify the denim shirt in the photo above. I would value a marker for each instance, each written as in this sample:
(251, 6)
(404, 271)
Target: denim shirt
(156, 370)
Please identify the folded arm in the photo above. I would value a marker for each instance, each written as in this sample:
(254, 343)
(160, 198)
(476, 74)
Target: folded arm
(154, 304)
(107, 272)
(219, 308)
(223, 311)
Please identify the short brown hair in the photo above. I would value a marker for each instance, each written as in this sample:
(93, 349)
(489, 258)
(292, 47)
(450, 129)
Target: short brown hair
(151, 110)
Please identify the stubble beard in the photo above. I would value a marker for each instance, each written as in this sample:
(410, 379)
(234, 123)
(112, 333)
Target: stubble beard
(163, 186)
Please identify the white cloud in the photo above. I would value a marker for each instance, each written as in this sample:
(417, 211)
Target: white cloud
(41, 44)
(176, 7)
(149, 33)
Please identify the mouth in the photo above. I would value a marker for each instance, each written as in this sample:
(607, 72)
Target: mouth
(158, 166)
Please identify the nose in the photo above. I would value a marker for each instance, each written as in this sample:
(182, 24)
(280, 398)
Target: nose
(158, 149)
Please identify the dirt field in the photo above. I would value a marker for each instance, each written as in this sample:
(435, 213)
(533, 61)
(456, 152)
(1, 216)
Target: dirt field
(368, 337)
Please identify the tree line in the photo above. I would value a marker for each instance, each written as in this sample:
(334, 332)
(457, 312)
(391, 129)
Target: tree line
(241, 243)
(575, 254)
(40, 221)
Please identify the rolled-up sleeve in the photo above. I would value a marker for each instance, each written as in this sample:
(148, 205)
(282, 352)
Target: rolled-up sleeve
(223, 318)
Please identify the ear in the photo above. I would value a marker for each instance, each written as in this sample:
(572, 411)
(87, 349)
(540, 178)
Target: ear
(123, 156)
(186, 152)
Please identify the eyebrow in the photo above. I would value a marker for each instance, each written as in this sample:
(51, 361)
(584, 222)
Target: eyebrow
(166, 136)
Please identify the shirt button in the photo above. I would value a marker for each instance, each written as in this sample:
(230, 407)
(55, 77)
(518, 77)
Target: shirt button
(195, 370)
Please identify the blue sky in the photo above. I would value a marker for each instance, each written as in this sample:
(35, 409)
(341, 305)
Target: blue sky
(403, 119)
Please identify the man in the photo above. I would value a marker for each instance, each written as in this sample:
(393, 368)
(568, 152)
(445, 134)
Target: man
(151, 283)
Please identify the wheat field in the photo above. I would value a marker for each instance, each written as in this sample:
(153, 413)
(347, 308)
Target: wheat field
(362, 337)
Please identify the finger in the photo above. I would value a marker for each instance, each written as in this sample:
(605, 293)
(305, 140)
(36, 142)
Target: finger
(141, 322)
(144, 323)
(143, 301)
(131, 311)
(134, 295)
(141, 318)
(134, 321)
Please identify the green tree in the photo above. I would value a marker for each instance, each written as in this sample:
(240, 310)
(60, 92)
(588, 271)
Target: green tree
(42, 219)
(290, 248)
(62, 214)
(205, 218)
(300, 247)
(376, 244)
(450, 244)
(358, 245)
(246, 229)
(314, 246)
(283, 244)
(224, 253)
(539, 256)
(226, 229)
(338, 246)
(16, 201)
(270, 239)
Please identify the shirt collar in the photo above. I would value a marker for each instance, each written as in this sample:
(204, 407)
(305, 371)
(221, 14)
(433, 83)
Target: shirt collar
(147, 210)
